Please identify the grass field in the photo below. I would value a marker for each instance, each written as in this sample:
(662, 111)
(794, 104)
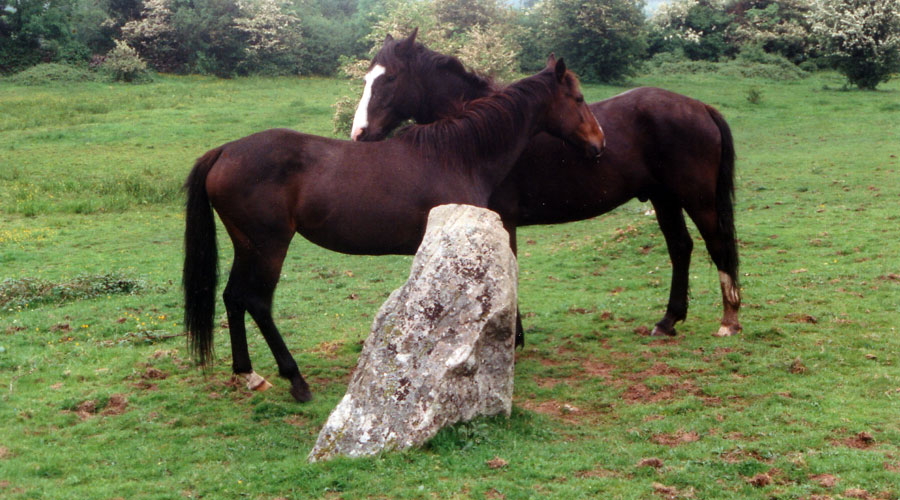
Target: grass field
(99, 399)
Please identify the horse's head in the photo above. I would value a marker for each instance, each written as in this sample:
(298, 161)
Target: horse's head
(568, 116)
(391, 93)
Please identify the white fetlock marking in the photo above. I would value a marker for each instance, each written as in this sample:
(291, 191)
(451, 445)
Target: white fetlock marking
(724, 331)
(361, 118)
(255, 381)
(729, 291)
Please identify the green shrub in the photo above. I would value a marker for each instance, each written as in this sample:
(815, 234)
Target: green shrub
(25, 292)
(49, 73)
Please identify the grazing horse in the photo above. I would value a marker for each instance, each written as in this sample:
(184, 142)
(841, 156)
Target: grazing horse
(352, 197)
(673, 150)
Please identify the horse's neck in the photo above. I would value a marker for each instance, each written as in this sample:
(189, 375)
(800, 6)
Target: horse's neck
(446, 93)
(517, 134)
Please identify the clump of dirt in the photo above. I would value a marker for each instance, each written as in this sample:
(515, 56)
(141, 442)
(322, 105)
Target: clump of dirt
(650, 462)
(496, 463)
(561, 411)
(643, 331)
(760, 480)
(640, 393)
(328, 350)
(597, 472)
(676, 438)
(797, 367)
(86, 409)
(671, 492)
(858, 493)
(801, 318)
(4, 453)
(116, 406)
(861, 441)
(824, 480)
(152, 373)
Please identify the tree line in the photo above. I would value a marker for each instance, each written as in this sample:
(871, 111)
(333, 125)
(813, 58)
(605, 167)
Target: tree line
(603, 40)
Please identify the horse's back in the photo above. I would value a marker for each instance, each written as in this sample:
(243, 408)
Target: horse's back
(679, 141)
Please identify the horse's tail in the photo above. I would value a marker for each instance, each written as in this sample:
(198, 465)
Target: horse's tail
(725, 197)
(201, 261)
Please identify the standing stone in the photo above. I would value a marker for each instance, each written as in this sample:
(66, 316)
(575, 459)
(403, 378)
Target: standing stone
(441, 348)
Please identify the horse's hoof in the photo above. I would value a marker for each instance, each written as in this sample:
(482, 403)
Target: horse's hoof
(659, 332)
(255, 381)
(300, 389)
(727, 331)
(301, 394)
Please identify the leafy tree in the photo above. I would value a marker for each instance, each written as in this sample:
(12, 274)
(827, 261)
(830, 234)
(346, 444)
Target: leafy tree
(862, 37)
(37, 31)
(600, 39)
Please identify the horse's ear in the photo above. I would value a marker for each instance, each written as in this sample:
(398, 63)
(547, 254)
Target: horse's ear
(388, 38)
(560, 70)
(551, 61)
(406, 45)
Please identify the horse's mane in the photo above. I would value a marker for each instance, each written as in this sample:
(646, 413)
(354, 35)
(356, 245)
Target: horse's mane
(483, 126)
(426, 59)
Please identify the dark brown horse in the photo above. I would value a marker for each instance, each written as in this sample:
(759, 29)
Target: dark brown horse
(673, 150)
(352, 197)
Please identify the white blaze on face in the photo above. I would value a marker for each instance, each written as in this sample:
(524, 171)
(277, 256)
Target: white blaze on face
(361, 118)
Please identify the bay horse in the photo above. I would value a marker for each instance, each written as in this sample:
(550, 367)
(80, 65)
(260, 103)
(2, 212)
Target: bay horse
(351, 197)
(673, 150)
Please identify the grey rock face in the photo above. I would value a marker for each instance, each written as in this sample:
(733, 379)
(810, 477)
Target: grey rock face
(441, 347)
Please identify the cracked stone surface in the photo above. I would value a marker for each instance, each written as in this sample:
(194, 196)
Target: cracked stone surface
(441, 347)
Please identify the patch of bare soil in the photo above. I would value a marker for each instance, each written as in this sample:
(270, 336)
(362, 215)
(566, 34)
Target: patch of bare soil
(493, 493)
(596, 473)
(561, 411)
(328, 349)
(116, 406)
(640, 393)
(801, 318)
(653, 462)
(861, 441)
(760, 480)
(858, 493)
(824, 480)
(665, 341)
(152, 373)
(738, 455)
(295, 420)
(496, 463)
(676, 438)
(86, 409)
(4, 453)
(671, 492)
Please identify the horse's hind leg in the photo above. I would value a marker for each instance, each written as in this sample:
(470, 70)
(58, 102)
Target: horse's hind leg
(723, 251)
(678, 241)
(251, 288)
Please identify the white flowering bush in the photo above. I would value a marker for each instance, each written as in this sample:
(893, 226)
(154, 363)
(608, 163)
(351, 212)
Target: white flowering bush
(861, 36)
(154, 36)
(269, 32)
(124, 64)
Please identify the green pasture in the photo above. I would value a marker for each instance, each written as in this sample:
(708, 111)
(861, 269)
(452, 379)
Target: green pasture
(100, 400)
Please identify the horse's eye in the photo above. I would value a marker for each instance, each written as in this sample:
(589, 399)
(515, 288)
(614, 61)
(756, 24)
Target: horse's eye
(579, 99)
(390, 78)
